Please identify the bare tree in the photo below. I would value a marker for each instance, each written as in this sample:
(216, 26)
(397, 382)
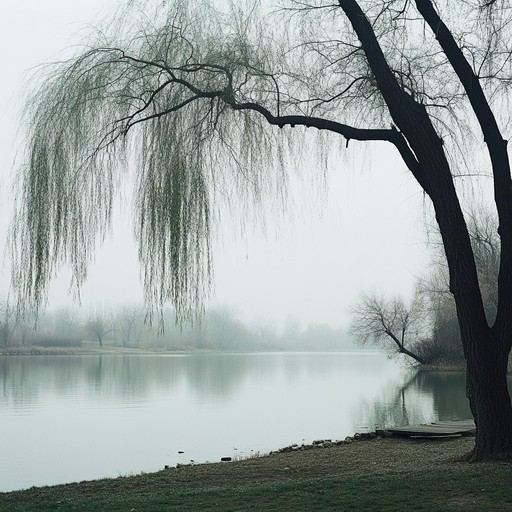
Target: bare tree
(486, 248)
(443, 342)
(443, 345)
(129, 320)
(388, 323)
(193, 91)
(98, 326)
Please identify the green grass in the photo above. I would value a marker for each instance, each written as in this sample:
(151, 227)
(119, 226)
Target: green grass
(477, 487)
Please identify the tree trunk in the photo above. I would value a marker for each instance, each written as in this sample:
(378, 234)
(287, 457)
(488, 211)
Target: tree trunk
(489, 398)
(412, 355)
(486, 349)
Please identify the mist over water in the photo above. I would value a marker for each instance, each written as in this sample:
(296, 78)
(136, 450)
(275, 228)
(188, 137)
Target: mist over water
(72, 418)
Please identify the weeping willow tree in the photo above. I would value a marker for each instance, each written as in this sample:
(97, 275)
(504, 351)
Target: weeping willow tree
(159, 96)
(199, 96)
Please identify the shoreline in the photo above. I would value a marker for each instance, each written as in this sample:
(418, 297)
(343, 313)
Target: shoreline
(352, 444)
(36, 350)
(86, 349)
(385, 474)
(353, 449)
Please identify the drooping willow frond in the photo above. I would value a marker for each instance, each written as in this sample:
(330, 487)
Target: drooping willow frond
(184, 92)
(157, 98)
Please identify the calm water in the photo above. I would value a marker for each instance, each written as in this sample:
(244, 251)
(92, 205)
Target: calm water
(72, 418)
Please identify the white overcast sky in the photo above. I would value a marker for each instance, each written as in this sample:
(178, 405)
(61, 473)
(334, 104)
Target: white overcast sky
(311, 267)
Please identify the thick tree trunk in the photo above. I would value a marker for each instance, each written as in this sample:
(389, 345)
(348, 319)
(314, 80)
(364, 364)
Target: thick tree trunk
(489, 398)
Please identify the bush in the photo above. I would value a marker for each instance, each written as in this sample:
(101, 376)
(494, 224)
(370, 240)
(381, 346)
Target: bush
(435, 350)
(56, 341)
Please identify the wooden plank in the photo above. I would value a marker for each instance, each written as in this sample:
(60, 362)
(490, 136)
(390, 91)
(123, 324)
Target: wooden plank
(441, 428)
(428, 428)
(448, 436)
(457, 423)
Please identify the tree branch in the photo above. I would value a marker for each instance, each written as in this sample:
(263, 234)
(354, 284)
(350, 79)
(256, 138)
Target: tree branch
(497, 147)
(435, 175)
(403, 350)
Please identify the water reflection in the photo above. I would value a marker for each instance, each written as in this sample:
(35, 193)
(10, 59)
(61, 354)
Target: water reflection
(110, 415)
(422, 397)
(25, 379)
(448, 393)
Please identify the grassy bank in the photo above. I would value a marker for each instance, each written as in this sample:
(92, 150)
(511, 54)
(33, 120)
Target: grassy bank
(377, 475)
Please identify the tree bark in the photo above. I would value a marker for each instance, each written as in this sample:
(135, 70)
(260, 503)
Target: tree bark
(489, 398)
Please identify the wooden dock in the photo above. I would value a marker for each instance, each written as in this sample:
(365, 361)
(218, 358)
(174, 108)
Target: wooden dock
(438, 430)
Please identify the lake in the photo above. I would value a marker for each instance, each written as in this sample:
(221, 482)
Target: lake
(72, 418)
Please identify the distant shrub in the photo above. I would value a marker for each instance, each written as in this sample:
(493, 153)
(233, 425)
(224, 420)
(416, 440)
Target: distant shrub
(440, 351)
(56, 342)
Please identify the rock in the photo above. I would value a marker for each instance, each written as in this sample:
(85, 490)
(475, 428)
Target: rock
(348, 439)
(319, 441)
(326, 444)
(226, 459)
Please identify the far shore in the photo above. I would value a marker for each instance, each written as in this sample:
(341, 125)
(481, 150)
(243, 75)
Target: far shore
(89, 349)
(92, 349)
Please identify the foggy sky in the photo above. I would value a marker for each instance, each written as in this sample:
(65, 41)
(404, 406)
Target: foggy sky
(364, 234)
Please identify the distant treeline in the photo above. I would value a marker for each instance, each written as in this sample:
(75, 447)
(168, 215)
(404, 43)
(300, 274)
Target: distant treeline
(128, 326)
